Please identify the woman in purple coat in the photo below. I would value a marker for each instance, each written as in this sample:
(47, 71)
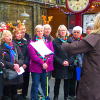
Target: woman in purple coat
(39, 65)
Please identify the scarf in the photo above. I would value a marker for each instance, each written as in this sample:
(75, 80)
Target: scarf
(12, 52)
(43, 38)
(63, 40)
(78, 39)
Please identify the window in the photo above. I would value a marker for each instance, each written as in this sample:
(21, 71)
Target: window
(11, 13)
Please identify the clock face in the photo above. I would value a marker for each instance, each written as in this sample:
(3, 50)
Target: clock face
(77, 5)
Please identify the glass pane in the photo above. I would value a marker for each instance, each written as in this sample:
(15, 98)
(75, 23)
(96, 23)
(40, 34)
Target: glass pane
(11, 13)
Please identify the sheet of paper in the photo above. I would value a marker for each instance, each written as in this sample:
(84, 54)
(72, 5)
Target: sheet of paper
(41, 48)
(21, 71)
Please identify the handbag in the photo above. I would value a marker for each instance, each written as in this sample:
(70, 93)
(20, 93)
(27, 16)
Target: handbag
(9, 74)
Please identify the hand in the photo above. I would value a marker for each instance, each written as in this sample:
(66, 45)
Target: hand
(24, 66)
(16, 67)
(65, 63)
(2, 64)
(45, 66)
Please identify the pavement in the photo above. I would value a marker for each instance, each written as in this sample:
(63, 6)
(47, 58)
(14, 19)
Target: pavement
(51, 95)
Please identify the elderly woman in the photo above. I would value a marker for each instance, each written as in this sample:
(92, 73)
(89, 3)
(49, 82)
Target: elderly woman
(76, 62)
(13, 59)
(47, 35)
(39, 65)
(25, 35)
(22, 43)
(3, 26)
(77, 32)
(47, 32)
(89, 28)
(89, 87)
(60, 62)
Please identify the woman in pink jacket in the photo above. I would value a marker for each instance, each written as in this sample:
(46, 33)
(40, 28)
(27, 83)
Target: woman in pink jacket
(39, 65)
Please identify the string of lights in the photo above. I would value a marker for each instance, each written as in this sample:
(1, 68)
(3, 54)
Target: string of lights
(93, 4)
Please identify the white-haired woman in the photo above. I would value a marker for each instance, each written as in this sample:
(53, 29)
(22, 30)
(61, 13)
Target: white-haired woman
(89, 87)
(76, 62)
(13, 59)
(39, 65)
(47, 32)
(60, 62)
(77, 32)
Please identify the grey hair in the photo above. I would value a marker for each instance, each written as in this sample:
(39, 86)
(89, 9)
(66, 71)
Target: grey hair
(77, 28)
(39, 26)
(90, 25)
(2, 23)
(47, 26)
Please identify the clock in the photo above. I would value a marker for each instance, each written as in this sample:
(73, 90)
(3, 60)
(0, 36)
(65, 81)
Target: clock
(77, 6)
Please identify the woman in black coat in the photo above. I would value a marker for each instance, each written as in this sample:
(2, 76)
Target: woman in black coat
(13, 59)
(22, 44)
(60, 63)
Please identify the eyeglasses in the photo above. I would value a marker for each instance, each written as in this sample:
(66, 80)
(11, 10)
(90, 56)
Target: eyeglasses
(76, 32)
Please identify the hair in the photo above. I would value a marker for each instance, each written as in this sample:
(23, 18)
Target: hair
(18, 25)
(5, 33)
(2, 23)
(62, 26)
(96, 28)
(77, 28)
(90, 25)
(15, 31)
(47, 26)
(38, 26)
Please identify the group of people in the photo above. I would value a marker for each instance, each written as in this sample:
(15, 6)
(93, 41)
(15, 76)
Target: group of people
(13, 55)
(70, 52)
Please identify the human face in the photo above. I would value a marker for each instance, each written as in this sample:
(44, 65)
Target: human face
(7, 39)
(18, 35)
(62, 32)
(76, 34)
(23, 29)
(88, 30)
(4, 26)
(47, 31)
(39, 32)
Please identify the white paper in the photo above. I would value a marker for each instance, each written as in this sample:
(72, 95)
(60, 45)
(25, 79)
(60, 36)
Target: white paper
(21, 71)
(41, 48)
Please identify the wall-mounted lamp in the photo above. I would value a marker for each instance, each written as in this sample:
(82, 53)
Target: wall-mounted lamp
(24, 14)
